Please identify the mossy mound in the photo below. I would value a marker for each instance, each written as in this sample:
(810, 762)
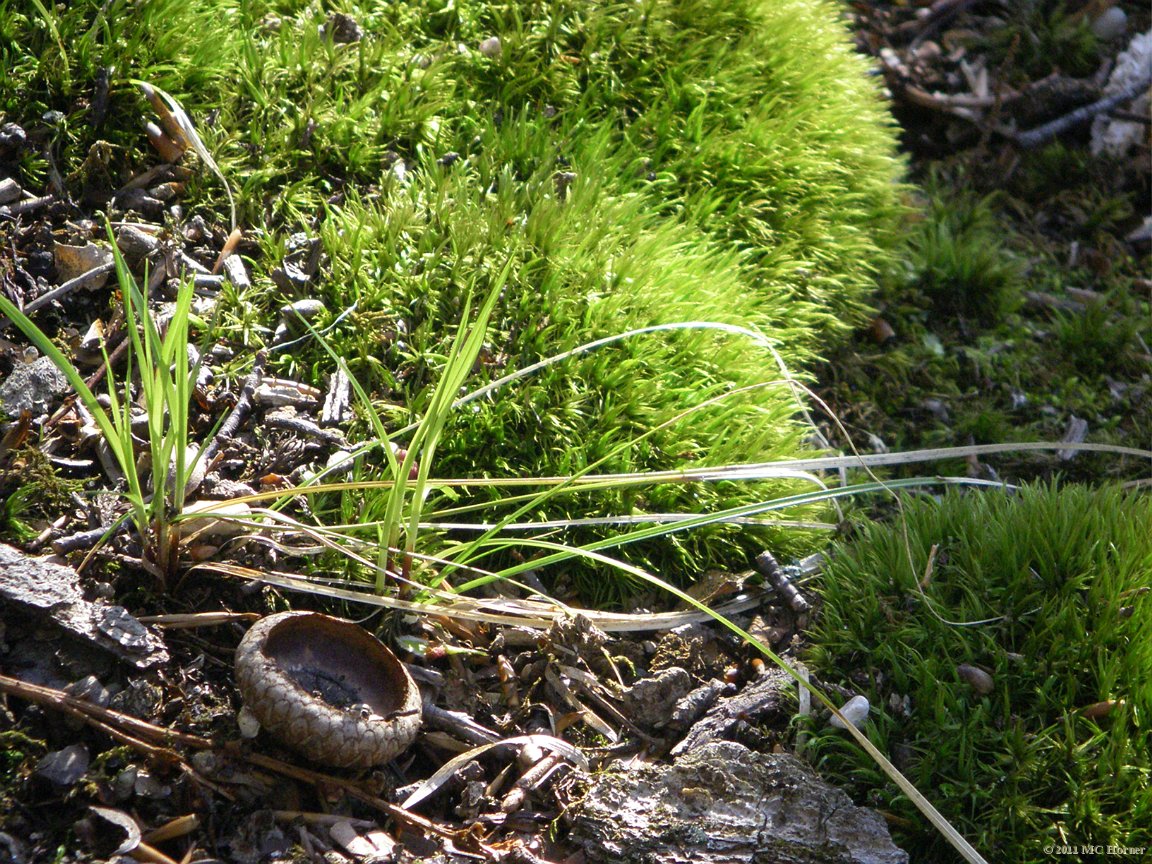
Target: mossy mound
(639, 163)
(1048, 591)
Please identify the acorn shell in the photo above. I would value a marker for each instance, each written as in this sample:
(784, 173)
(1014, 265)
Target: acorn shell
(328, 689)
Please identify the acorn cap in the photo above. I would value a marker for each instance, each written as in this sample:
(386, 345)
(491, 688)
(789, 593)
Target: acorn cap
(328, 689)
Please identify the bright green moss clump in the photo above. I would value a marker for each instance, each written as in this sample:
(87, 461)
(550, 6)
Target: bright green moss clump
(640, 163)
(1060, 750)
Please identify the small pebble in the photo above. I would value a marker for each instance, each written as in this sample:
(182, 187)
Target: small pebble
(249, 725)
(977, 679)
(63, 767)
(491, 47)
(855, 711)
(1111, 24)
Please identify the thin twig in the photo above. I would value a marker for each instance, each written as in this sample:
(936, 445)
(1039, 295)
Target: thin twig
(64, 288)
(240, 410)
(27, 205)
(84, 539)
(157, 741)
(1042, 134)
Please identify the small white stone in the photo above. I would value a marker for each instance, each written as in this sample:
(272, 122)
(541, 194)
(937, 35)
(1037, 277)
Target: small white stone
(855, 711)
(217, 518)
(249, 725)
(491, 47)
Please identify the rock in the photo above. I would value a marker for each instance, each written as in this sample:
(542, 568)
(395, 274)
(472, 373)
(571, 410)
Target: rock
(13, 138)
(32, 387)
(63, 767)
(9, 191)
(73, 261)
(491, 47)
(725, 804)
(855, 711)
(977, 678)
(1110, 24)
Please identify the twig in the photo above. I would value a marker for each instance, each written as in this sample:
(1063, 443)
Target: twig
(240, 410)
(529, 780)
(767, 564)
(113, 358)
(84, 539)
(27, 205)
(304, 428)
(157, 741)
(60, 290)
(1042, 134)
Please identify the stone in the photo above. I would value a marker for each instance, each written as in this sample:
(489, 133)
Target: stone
(32, 387)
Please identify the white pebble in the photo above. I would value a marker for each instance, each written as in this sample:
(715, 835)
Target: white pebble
(249, 725)
(855, 711)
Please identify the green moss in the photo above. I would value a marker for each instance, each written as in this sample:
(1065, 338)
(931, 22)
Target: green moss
(30, 489)
(958, 259)
(640, 163)
(1041, 37)
(1061, 579)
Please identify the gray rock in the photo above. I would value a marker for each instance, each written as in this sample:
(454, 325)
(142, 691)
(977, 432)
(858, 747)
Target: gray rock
(722, 803)
(64, 767)
(32, 387)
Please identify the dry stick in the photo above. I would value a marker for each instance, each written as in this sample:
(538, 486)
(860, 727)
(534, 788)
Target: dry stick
(240, 410)
(769, 567)
(305, 428)
(27, 205)
(157, 741)
(528, 781)
(62, 289)
(113, 358)
(1042, 134)
(83, 539)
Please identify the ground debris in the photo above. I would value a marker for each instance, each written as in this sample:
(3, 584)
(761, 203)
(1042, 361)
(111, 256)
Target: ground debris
(767, 695)
(722, 803)
(46, 588)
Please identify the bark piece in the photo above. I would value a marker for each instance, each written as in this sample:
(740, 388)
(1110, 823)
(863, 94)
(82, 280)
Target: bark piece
(725, 804)
(43, 587)
(649, 703)
(337, 408)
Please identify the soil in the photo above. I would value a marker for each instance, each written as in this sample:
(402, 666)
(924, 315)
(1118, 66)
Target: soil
(108, 754)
